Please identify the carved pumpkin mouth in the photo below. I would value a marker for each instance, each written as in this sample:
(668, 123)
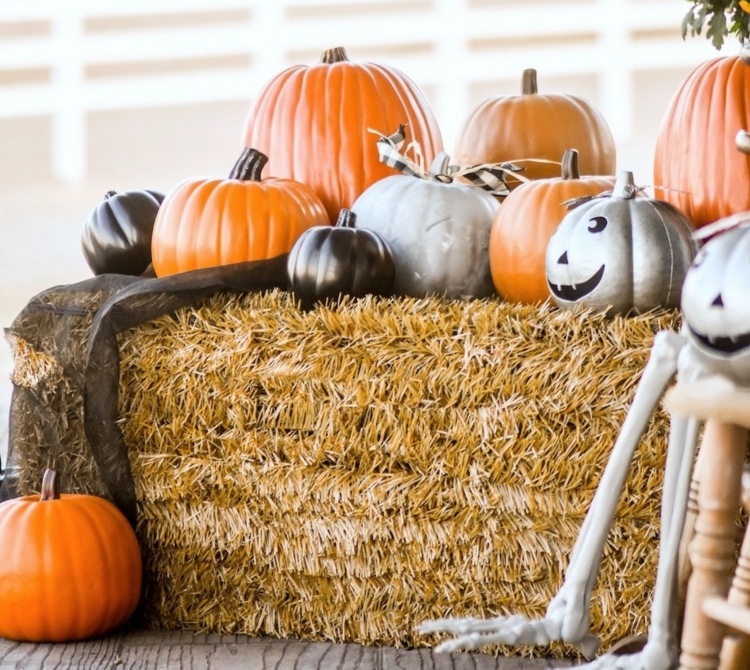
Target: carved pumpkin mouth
(571, 293)
(725, 345)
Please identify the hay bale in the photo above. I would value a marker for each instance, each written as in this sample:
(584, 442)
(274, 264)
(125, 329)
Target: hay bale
(349, 472)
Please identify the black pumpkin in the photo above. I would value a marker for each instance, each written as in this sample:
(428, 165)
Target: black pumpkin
(116, 237)
(329, 261)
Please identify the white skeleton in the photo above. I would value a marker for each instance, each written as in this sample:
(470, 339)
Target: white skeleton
(714, 340)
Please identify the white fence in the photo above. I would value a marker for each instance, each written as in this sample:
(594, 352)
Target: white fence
(82, 56)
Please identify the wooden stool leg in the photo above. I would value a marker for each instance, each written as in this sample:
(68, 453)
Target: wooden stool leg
(684, 567)
(735, 652)
(713, 547)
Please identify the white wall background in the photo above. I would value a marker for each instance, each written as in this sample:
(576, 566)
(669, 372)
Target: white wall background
(144, 93)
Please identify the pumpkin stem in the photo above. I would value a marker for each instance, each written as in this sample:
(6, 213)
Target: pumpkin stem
(745, 51)
(335, 55)
(109, 194)
(50, 486)
(624, 186)
(249, 165)
(528, 82)
(347, 219)
(569, 168)
(742, 141)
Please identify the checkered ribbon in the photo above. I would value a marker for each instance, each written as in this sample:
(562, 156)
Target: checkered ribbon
(488, 176)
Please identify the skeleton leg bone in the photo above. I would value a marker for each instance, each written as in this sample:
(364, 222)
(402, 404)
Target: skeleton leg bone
(568, 614)
(660, 652)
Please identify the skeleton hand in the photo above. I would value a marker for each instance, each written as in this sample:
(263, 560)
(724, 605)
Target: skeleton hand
(566, 619)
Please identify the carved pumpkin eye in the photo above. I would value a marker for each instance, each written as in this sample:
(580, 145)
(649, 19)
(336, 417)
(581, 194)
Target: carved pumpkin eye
(597, 224)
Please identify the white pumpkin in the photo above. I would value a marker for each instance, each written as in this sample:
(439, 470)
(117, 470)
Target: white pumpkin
(620, 253)
(438, 232)
(716, 303)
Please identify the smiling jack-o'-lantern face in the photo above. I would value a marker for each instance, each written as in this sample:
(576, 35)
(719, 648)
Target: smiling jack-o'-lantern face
(716, 303)
(619, 253)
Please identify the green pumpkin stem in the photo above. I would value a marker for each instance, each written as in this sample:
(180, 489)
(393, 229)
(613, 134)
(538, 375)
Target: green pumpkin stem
(50, 486)
(624, 186)
(528, 82)
(347, 219)
(249, 165)
(335, 55)
(109, 194)
(569, 169)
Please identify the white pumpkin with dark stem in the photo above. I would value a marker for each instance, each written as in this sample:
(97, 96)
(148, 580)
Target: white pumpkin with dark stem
(438, 231)
(620, 253)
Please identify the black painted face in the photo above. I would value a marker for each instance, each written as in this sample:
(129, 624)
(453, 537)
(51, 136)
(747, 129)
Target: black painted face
(619, 254)
(575, 292)
(716, 298)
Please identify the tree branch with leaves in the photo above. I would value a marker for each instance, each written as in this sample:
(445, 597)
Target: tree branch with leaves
(720, 18)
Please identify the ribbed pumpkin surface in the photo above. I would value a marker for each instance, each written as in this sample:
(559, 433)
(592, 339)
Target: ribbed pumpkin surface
(533, 125)
(695, 149)
(207, 223)
(522, 229)
(70, 568)
(312, 123)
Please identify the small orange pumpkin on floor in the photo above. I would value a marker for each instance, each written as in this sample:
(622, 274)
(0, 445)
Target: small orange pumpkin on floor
(70, 566)
(204, 223)
(524, 225)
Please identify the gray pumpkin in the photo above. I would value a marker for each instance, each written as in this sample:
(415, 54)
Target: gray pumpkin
(620, 253)
(438, 232)
(716, 306)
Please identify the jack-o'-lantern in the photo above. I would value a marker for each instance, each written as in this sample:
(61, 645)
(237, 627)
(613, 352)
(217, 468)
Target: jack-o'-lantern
(619, 253)
(715, 305)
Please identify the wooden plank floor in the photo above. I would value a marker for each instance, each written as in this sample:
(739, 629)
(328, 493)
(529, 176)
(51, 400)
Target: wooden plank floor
(182, 650)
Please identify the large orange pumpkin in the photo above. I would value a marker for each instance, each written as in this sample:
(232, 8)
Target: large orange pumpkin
(205, 223)
(695, 149)
(531, 125)
(70, 566)
(524, 225)
(313, 122)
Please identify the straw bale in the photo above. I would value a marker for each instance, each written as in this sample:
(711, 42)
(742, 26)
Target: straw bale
(348, 472)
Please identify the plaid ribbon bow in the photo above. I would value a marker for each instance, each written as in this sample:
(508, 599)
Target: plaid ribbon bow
(488, 176)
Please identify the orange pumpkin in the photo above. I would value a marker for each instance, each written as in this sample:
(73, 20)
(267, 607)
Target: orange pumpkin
(530, 125)
(524, 225)
(312, 122)
(205, 223)
(70, 566)
(695, 150)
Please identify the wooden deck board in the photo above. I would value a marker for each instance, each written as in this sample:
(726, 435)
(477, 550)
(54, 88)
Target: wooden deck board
(180, 650)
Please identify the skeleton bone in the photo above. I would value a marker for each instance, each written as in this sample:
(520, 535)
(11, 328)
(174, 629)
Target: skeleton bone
(567, 617)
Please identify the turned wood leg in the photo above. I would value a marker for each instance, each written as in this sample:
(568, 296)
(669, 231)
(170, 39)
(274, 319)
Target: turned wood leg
(735, 652)
(684, 568)
(712, 549)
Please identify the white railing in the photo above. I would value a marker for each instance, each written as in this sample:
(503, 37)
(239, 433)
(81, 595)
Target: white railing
(443, 45)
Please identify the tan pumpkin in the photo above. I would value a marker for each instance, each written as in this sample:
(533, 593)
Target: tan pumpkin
(312, 123)
(525, 223)
(532, 125)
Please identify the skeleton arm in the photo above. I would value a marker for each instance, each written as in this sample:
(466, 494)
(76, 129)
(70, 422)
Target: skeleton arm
(568, 614)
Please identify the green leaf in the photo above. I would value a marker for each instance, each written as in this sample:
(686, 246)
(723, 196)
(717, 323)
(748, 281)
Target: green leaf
(717, 29)
(687, 21)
